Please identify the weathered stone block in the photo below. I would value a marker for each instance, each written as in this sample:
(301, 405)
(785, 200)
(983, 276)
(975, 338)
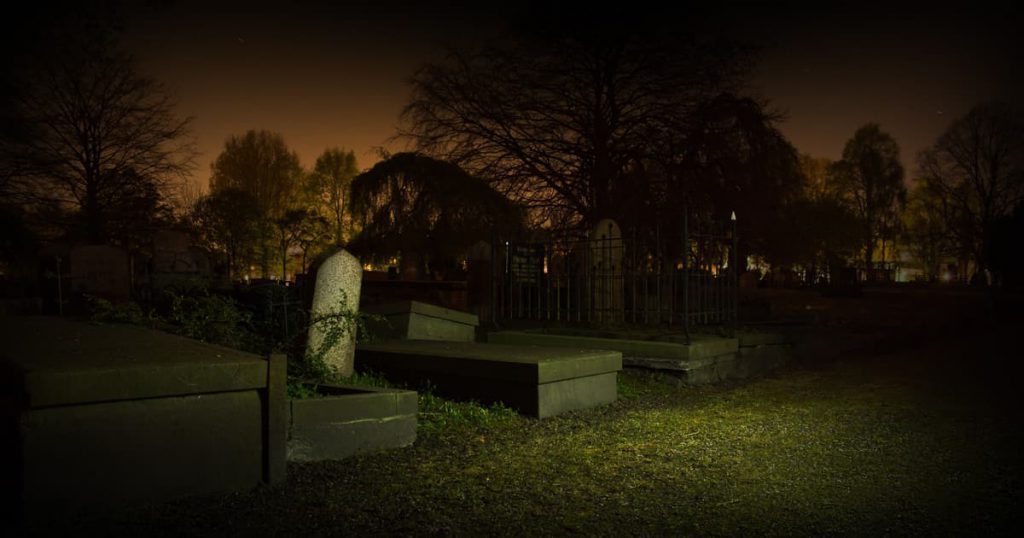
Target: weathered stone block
(414, 320)
(338, 282)
(350, 420)
(104, 415)
(536, 381)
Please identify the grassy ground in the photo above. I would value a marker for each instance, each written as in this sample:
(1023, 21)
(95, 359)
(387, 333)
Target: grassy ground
(924, 440)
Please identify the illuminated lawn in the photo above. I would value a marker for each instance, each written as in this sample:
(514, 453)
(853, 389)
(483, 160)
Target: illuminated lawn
(897, 443)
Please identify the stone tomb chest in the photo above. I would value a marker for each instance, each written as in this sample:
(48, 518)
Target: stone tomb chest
(101, 415)
(414, 320)
(536, 381)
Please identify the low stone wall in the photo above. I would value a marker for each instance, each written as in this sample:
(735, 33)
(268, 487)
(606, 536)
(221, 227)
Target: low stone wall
(108, 415)
(347, 420)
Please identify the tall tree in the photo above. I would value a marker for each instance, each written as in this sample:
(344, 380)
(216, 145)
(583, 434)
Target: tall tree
(427, 212)
(869, 178)
(926, 230)
(732, 158)
(560, 122)
(329, 186)
(91, 133)
(302, 228)
(260, 164)
(977, 167)
(226, 222)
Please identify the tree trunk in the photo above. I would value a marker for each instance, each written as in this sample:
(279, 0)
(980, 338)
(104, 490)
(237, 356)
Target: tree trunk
(869, 254)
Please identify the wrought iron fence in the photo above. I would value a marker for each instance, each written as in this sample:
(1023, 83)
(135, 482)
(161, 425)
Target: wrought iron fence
(611, 280)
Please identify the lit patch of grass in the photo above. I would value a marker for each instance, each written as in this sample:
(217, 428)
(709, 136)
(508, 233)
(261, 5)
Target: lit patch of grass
(847, 450)
(440, 415)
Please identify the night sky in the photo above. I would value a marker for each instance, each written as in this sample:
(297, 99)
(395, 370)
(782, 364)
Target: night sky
(337, 75)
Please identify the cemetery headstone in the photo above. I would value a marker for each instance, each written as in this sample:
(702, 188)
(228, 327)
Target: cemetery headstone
(338, 283)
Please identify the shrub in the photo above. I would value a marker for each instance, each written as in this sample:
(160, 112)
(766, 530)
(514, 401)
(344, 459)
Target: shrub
(103, 310)
(215, 319)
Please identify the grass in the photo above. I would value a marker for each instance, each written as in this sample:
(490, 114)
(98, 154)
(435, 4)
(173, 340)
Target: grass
(889, 444)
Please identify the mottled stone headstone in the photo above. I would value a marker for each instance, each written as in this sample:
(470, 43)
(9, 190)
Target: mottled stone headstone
(338, 282)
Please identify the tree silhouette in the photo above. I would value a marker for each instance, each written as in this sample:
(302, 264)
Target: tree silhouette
(926, 230)
(300, 227)
(426, 211)
(977, 167)
(329, 187)
(733, 158)
(562, 122)
(260, 163)
(869, 179)
(89, 133)
(226, 222)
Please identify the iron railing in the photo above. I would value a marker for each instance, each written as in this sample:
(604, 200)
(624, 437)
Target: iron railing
(610, 280)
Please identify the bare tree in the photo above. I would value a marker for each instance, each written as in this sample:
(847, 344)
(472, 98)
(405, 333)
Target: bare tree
(562, 123)
(92, 132)
(977, 168)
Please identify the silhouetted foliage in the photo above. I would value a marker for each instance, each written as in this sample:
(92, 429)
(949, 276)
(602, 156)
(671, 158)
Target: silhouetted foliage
(977, 169)
(226, 223)
(733, 158)
(260, 164)
(17, 244)
(567, 122)
(427, 212)
(1006, 257)
(869, 179)
(302, 228)
(329, 185)
(926, 231)
(91, 137)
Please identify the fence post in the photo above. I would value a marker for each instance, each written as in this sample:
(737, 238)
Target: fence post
(735, 277)
(686, 274)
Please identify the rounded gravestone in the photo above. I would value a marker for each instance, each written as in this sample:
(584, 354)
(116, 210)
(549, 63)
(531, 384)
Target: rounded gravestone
(338, 283)
(606, 247)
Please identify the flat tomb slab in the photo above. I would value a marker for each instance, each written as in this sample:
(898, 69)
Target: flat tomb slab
(347, 420)
(535, 380)
(666, 346)
(102, 415)
(60, 362)
(422, 321)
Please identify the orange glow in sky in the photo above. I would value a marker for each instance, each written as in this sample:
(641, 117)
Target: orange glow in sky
(327, 76)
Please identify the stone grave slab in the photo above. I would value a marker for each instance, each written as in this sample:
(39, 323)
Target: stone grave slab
(536, 381)
(702, 359)
(347, 420)
(415, 320)
(103, 415)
